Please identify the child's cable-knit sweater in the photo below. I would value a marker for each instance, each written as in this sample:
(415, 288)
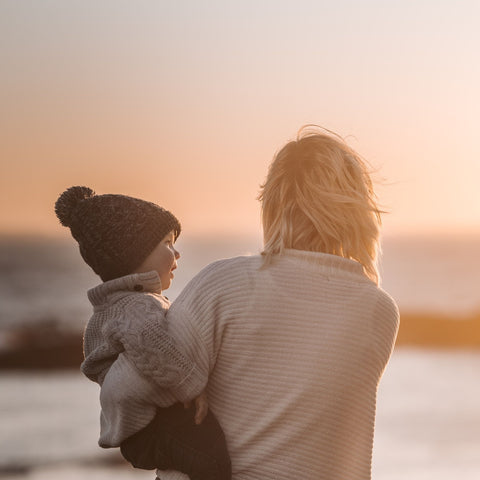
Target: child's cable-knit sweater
(293, 354)
(129, 352)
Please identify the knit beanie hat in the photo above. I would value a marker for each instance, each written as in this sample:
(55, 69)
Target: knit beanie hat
(115, 233)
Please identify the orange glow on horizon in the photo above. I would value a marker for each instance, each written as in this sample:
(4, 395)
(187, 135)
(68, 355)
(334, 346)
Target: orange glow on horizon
(191, 117)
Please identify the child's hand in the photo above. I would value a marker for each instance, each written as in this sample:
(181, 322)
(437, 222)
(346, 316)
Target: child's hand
(201, 407)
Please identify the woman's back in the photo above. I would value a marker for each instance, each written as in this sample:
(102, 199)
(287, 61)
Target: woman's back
(294, 352)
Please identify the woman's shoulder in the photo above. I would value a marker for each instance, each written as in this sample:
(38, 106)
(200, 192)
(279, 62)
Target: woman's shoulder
(227, 268)
(232, 264)
(386, 298)
(221, 275)
(386, 308)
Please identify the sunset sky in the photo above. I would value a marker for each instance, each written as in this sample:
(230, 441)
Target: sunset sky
(184, 103)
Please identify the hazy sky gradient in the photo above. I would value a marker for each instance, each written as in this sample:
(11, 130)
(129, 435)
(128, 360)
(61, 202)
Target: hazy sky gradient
(185, 102)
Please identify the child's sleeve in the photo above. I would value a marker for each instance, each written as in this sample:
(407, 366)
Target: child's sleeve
(143, 333)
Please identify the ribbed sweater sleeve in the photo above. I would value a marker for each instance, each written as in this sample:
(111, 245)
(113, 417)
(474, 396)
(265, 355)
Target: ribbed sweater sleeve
(386, 322)
(199, 316)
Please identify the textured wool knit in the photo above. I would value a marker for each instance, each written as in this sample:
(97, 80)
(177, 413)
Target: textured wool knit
(129, 352)
(293, 353)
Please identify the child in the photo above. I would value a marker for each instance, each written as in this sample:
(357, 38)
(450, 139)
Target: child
(129, 243)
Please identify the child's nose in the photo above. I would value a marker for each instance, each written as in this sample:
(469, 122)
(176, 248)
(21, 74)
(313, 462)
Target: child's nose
(177, 254)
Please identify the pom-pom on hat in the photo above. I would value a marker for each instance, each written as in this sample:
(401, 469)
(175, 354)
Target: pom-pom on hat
(115, 233)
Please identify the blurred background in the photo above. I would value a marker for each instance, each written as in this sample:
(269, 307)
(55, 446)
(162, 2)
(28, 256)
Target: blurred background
(185, 103)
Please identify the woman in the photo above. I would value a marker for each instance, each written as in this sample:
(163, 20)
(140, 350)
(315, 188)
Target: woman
(293, 342)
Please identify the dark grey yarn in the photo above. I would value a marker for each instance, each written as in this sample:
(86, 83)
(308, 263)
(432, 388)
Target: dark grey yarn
(115, 233)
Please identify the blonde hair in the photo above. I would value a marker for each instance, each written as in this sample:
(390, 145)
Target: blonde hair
(318, 196)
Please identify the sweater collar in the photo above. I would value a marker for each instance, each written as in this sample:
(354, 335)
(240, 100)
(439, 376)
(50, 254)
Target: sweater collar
(327, 260)
(136, 282)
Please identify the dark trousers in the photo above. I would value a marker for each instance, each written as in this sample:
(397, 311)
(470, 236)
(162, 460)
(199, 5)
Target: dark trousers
(173, 441)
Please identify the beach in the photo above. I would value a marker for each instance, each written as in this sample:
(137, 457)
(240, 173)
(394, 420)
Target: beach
(427, 423)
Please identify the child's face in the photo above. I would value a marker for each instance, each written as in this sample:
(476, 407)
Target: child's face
(163, 259)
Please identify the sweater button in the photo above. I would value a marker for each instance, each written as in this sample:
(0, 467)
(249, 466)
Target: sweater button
(138, 288)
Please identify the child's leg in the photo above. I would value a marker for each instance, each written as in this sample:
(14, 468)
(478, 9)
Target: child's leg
(173, 441)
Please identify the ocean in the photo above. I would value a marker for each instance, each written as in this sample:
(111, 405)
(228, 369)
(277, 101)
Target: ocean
(46, 279)
(428, 418)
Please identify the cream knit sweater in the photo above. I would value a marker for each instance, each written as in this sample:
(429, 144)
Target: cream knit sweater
(129, 352)
(293, 354)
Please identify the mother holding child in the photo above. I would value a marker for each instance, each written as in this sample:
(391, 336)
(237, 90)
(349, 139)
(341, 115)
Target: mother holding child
(288, 346)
